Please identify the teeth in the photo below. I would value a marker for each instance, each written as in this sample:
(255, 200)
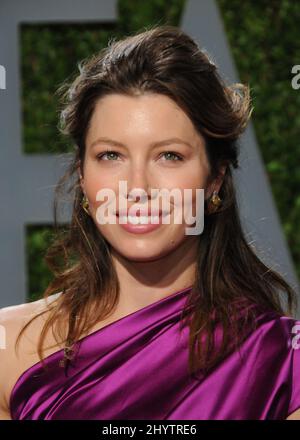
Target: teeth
(142, 220)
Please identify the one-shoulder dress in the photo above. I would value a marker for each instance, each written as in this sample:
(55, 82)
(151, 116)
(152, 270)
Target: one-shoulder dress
(137, 368)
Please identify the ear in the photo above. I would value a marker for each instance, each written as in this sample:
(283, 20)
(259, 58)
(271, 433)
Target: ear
(217, 182)
(80, 177)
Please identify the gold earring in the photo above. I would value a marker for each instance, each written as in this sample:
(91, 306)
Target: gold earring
(85, 204)
(214, 202)
(215, 199)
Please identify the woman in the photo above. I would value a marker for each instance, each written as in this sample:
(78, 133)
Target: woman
(144, 321)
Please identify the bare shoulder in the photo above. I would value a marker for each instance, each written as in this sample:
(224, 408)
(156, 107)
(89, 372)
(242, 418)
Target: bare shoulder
(21, 312)
(13, 318)
(14, 362)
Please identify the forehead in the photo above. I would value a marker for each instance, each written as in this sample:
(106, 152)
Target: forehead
(143, 116)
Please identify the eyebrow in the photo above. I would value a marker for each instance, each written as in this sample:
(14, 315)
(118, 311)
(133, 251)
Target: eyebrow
(155, 144)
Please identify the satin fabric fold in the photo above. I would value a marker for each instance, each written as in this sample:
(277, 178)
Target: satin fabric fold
(137, 368)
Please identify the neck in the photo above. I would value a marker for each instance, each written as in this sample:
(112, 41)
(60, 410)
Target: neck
(144, 282)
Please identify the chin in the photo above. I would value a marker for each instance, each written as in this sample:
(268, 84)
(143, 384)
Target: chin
(142, 254)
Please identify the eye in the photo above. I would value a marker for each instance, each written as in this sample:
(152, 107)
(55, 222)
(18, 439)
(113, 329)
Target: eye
(109, 153)
(171, 153)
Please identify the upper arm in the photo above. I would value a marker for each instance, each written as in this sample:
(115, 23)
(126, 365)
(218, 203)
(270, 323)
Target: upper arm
(4, 414)
(6, 325)
(12, 361)
(12, 319)
(294, 404)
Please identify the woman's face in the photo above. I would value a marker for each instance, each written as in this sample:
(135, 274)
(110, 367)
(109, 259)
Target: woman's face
(139, 123)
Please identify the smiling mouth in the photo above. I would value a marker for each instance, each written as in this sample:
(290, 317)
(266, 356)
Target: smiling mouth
(140, 219)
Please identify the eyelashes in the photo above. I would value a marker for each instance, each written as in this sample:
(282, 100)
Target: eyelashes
(172, 153)
(179, 157)
(99, 156)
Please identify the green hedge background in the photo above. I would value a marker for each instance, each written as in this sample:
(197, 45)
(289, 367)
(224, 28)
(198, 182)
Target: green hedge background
(264, 38)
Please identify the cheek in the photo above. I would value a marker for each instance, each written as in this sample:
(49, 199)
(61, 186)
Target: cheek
(195, 178)
(190, 185)
(94, 181)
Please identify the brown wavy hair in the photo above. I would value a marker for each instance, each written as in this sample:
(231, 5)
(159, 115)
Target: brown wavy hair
(230, 277)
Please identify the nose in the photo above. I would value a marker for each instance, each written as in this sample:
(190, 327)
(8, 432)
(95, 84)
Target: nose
(138, 195)
(138, 185)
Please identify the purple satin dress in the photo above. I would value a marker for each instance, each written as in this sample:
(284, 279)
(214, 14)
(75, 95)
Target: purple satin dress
(137, 368)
